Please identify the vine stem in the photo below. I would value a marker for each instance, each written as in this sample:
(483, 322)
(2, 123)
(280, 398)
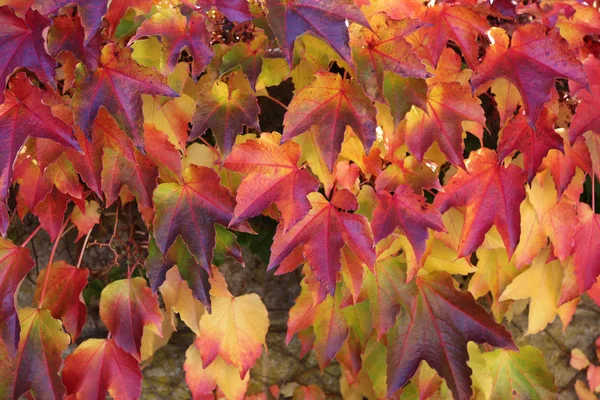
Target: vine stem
(85, 242)
(54, 247)
(35, 231)
(274, 100)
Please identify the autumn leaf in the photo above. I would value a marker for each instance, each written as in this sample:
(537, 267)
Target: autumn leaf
(178, 255)
(38, 359)
(544, 295)
(225, 111)
(235, 330)
(24, 47)
(586, 248)
(587, 116)
(492, 195)
(330, 328)
(461, 24)
(520, 375)
(248, 56)
(323, 19)
(384, 48)
(272, 176)
(15, 263)
(108, 368)
(202, 381)
(67, 34)
(179, 299)
(126, 306)
(323, 232)
(448, 106)
(534, 60)
(178, 33)
(63, 297)
(117, 85)
(91, 13)
(331, 103)
(24, 115)
(234, 10)
(436, 328)
(86, 220)
(191, 209)
(409, 212)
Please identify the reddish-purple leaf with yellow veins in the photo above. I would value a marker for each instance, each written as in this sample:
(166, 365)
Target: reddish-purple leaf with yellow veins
(325, 19)
(323, 232)
(587, 248)
(225, 111)
(492, 195)
(461, 24)
(234, 10)
(108, 368)
(117, 85)
(15, 263)
(273, 177)
(449, 104)
(331, 103)
(190, 210)
(90, 11)
(23, 115)
(23, 46)
(534, 143)
(178, 32)
(384, 49)
(535, 59)
(409, 212)
(236, 330)
(63, 297)
(439, 322)
(38, 359)
(248, 56)
(126, 306)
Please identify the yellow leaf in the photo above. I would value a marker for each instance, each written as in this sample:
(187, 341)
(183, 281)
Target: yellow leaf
(235, 330)
(532, 238)
(541, 283)
(442, 258)
(202, 381)
(151, 341)
(171, 117)
(311, 154)
(179, 299)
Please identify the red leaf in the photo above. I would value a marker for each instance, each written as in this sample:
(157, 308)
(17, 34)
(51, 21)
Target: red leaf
(23, 46)
(63, 297)
(534, 143)
(191, 209)
(15, 263)
(273, 177)
(98, 366)
(533, 62)
(331, 103)
(21, 115)
(409, 212)
(587, 248)
(67, 34)
(117, 85)
(324, 19)
(439, 322)
(492, 195)
(126, 306)
(118, 8)
(178, 32)
(587, 114)
(51, 212)
(323, 232)
(225, 111)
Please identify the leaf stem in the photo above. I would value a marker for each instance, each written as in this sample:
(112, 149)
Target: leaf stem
(51, 259)
(35, 231)
(274, 100)
(85, 242)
